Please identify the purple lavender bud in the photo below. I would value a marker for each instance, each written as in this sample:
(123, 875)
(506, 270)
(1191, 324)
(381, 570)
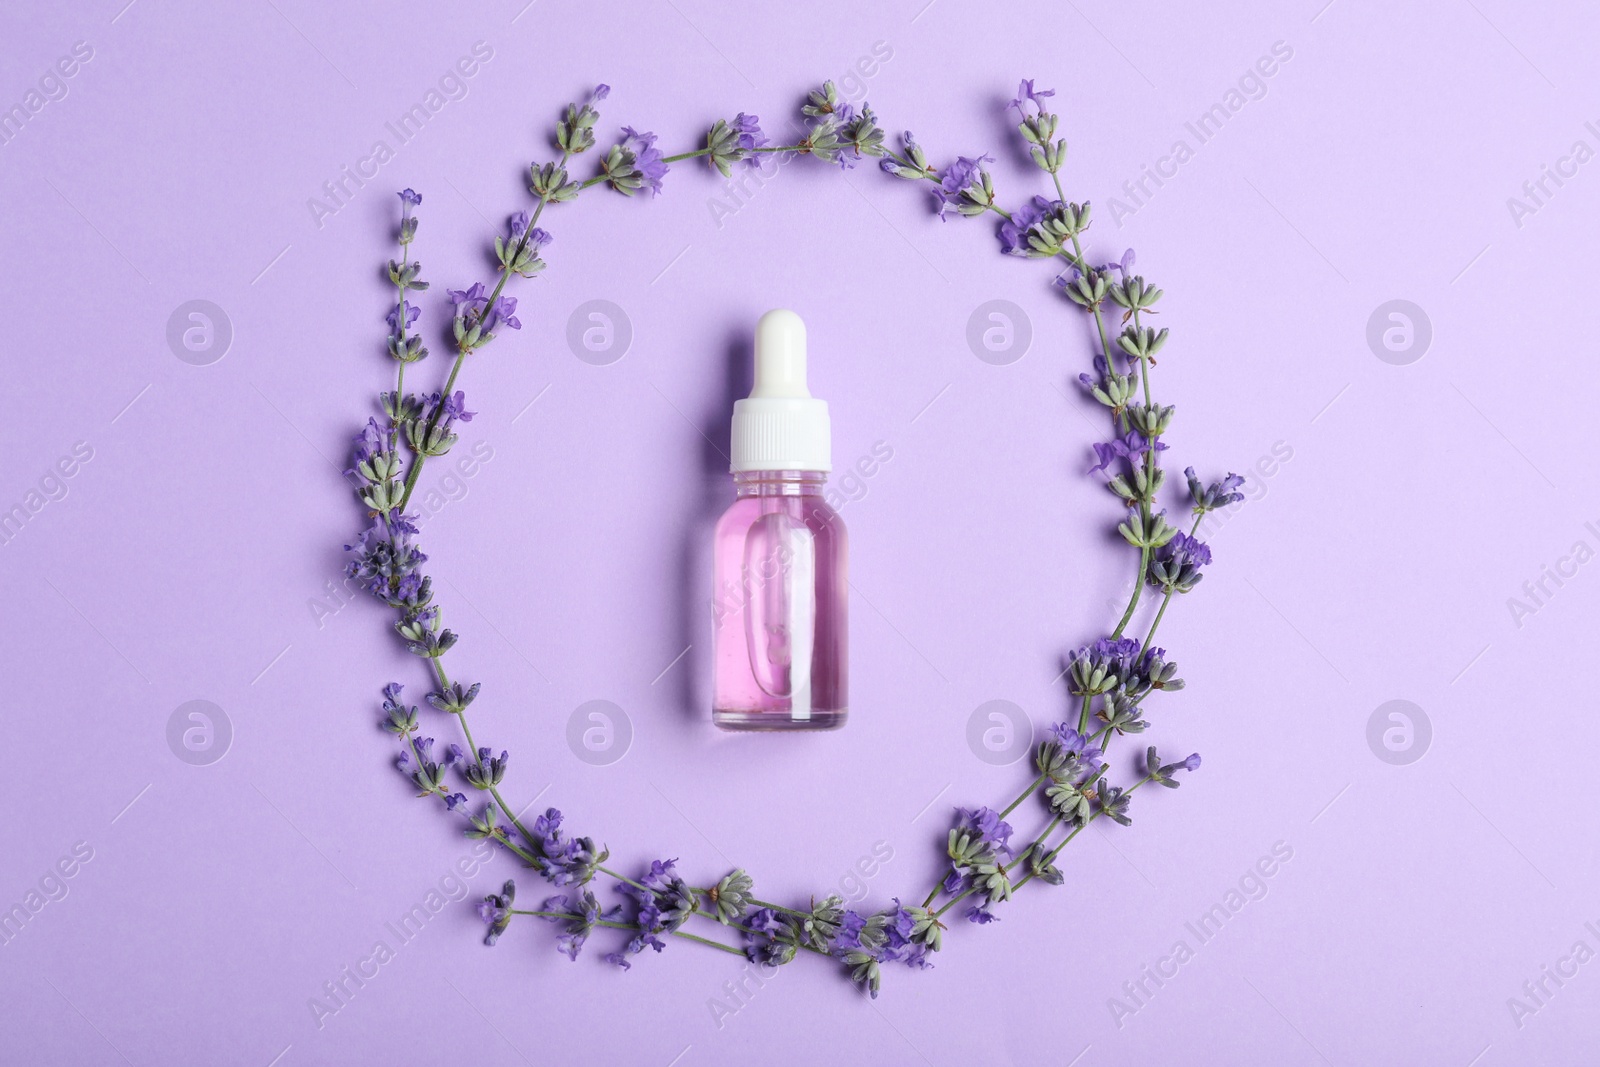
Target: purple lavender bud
(1026, 94)
(647, 160)
(748, 127)
(393, 318)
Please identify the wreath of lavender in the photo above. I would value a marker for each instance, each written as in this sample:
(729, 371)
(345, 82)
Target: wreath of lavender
(1110, 679)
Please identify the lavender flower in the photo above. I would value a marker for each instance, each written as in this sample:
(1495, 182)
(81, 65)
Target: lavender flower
(1038, 126)
(453, 406)
(467, 325)
(748, 127)
(469, 300)
(453, 697)
(1041, 865)
(1185, 549)
(731, 896)
(911, 164)
(416, 763)
(1098, 668)
(824, 105)
(408, 224)
(635, 163)
(966, 187)
(575, 131)
(373, 440)
(503, 311)
(1122, 712)
(822, 141)
(1111, 388)
(394, 317)
(382, 558)
(518, 252)
(665, 903)
(495, 909)
(1131, 292)
(852, 925)
(825, 134)
(485, 824)
(821, 924)
(413, 593)
(730, 142)
(861, 137)
(1151, 420)
(771, 938)
(898, 935)
(1141, 342)
(377, 468)
(1176, 568)
(1162, 774)
(1152, 670)
(1121, 266)
(487, 770)
(1129, 446)
(1218, 494)
(1072, 765)
(1074, 744)
(1086, 288)
(564, 860)
(978, 846)
(1071, 800)
(398, 718)
(432, 432)
(987, 825)
(1016, 237)
(582, 913)
(1113, 802)
(909, 934)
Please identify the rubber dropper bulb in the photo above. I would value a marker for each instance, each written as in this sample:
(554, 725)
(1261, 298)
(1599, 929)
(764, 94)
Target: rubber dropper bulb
(780, 356)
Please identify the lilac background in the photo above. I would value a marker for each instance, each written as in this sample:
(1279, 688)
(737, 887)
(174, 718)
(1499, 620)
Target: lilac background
(1375, 564)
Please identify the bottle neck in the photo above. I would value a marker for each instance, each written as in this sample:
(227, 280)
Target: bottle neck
(779, 483)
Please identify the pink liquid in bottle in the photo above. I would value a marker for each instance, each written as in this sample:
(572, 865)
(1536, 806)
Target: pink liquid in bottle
(779, 609)
(780, 581)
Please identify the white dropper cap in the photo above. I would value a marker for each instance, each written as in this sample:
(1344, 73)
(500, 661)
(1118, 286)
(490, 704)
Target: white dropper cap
(780, 426)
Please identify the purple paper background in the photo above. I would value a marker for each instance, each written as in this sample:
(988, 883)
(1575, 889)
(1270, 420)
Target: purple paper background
(1374, 564)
